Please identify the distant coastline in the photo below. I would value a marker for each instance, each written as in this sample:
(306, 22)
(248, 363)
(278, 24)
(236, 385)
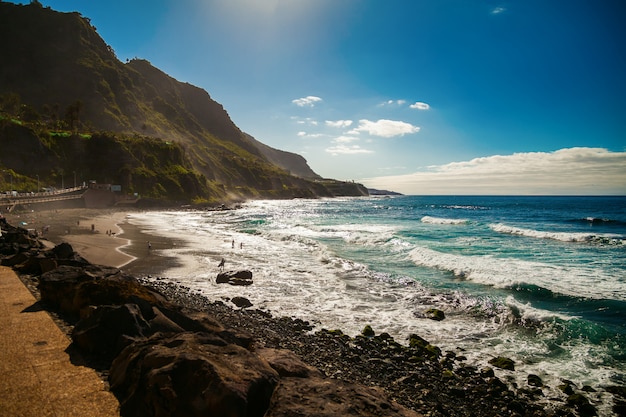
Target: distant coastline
(374, 192)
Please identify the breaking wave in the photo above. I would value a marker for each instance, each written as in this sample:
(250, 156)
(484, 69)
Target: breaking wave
(508, 273)
(439, 220)
(602, 239)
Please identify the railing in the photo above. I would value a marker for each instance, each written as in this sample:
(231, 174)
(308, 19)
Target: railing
(12, 200)
(45, 193)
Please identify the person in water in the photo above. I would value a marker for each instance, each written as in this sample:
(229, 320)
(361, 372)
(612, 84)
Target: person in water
(221, 265)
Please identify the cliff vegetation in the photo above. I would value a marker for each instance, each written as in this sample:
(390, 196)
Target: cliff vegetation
(70, 108)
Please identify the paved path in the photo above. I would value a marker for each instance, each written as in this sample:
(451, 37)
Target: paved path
(37, 377)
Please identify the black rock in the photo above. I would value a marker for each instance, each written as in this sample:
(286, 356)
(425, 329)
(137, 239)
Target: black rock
(241, 302)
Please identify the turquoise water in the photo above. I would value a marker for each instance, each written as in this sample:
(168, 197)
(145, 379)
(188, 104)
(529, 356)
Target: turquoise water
(539, 279)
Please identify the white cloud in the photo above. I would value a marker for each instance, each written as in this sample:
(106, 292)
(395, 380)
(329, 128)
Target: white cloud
(385, 128)
(308, 101)
(574, 171)
(392, 102)
(346, 150)
(420, 106)
(345, 139)
(305, 121)
(304, 134)
(498, 10)
(339, 123)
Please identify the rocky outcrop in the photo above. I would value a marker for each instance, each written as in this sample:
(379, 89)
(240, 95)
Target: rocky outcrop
(330, 398)
(70, 289)
(503, 363)
(434, 314)
(21, 250)
(191, 374)
(241, 302)
(235, 278)
(199, 374)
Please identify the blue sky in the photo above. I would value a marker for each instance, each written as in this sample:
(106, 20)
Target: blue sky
(422, 97)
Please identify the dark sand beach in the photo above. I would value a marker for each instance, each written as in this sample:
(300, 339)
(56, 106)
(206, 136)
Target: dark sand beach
(102, 236)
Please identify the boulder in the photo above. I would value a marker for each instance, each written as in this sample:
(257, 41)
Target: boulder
(434, 314)
(416, 341)
(160, 322)
(241, 302)
(21, 237)
(534, 380)
(368, 331)
(36, 265)
(8, 249)
(503, 363)
(63, 257)
(487, 372)
(191, 374)
(57, 287)
(243, 277)
(329, 398)
(72, 288)
(115, 291)
(63, 251)
(16, 259)
(287, 363)
(109, 328)
(106, 329)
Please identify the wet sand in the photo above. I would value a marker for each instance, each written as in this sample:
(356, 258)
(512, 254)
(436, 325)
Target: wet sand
(147, 261)
(102, 236)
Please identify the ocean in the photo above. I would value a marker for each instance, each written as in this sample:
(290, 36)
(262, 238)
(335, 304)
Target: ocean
(541, 280)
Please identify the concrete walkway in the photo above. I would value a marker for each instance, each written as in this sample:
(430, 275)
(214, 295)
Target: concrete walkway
(37, 377)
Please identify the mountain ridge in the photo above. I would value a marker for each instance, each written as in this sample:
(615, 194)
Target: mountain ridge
(66, 77)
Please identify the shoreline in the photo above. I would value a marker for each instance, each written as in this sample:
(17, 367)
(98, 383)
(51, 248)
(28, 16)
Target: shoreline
(147, 261)
(378, 361)
(126, 247)
(104, 240)
(101, 236)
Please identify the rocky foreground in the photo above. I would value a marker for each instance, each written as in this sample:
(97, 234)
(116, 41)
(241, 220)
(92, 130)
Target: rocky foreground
(168, 351)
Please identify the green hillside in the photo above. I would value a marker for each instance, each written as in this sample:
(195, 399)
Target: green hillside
(65, 96)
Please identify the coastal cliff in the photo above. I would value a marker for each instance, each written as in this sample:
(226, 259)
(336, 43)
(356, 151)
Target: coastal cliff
(61, 85)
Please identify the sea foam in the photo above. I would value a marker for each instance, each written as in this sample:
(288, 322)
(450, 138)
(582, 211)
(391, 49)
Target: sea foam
(606, 239)
(501, 272)
(439, 220)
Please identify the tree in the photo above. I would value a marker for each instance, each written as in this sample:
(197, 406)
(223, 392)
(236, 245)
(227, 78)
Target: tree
(29, 114)
(10, 103)
(72, 114)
